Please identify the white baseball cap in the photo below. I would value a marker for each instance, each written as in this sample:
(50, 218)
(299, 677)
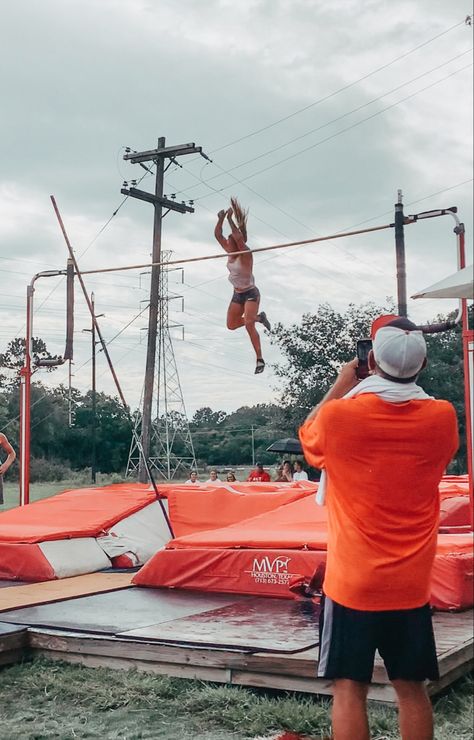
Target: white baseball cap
(399, 352)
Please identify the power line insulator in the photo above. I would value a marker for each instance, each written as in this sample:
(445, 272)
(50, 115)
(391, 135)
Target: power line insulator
(127, 149)
(173, 196)
(134, 183)
(125, 184)
(191, 202)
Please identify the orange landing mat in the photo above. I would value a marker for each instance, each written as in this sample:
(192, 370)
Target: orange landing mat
(33, 594)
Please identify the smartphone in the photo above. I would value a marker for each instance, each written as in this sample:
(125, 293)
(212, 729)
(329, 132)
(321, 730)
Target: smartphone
(363, 348)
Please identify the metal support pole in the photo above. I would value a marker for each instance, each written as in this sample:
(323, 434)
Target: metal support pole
(152, 319)
(25, 389)
(25, 402)
(94, 400)
(253, 446)
(400, 254)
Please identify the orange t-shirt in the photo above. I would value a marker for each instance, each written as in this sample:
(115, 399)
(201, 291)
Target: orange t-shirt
(384, 462)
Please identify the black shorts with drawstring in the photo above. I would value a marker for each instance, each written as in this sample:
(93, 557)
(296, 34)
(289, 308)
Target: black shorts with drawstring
(252, 294)
(348, 639)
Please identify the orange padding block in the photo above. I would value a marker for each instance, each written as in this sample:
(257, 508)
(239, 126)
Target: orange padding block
(454, 485)
(452, 582)
(259, 572)
(301, 524)
(24, 562)
(84, 512)
(455, 511)
(193, 509)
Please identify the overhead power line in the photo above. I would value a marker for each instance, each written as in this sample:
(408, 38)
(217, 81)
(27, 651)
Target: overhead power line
(339, 133)
(339, 90)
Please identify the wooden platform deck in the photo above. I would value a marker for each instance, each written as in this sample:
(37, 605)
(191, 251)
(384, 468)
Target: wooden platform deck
(50, 630)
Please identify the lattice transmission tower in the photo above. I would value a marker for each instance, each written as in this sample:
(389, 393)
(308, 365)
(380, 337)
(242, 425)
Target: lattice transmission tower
(171, 445)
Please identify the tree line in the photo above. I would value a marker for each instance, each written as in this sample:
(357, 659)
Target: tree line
(312, 351)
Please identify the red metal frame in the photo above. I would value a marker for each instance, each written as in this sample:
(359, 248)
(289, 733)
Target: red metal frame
(25, 390)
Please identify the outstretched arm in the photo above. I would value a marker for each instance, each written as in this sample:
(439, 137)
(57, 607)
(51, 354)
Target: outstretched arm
(218, 231)
(236, 232)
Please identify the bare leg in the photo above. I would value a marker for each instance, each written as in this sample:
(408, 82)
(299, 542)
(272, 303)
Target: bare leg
(250, 317)
(415, 710)
(235, 316)
(349, 710)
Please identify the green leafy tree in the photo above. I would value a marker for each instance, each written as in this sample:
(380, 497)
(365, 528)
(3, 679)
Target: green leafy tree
(205, 417)
(13, 359)
(315, 349)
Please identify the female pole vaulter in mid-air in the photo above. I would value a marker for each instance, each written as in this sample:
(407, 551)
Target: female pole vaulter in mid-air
(243, 308)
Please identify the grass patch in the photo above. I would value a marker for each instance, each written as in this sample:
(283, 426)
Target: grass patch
(44, 490)
(46, 699)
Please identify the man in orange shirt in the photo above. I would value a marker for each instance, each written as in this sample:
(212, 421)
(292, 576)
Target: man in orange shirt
(384, 445)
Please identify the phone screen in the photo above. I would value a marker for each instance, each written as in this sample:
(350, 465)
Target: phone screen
(363, 348)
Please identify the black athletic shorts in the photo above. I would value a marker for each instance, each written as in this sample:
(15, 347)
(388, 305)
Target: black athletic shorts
(348, 639)
(252, 294)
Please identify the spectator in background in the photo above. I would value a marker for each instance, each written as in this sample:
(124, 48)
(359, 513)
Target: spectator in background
(193, 478)
(299, 473)
(231, 477)
(286, 473)
(259, 475)
(213, 477)
(11, 455)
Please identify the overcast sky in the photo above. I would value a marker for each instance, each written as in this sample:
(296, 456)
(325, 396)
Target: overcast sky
(314, 114)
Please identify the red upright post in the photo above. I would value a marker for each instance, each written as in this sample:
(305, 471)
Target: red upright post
(468, 360)
(25, 403)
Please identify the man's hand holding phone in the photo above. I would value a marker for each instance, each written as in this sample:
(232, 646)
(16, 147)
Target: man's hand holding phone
(363, 348)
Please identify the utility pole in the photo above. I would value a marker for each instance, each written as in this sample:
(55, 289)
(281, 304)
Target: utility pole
(253, 446)
(157, 156)
(400, 254)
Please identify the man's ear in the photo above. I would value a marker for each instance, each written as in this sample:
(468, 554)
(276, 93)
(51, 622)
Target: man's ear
(371, 360)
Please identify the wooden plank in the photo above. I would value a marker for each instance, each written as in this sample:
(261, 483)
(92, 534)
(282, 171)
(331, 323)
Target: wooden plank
(219, 675)
(384, 693)
(14, 641)
(435, 687)
(457, 656)
(32, 594)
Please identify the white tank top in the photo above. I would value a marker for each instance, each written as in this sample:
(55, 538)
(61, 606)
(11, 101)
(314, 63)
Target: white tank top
(239, 275)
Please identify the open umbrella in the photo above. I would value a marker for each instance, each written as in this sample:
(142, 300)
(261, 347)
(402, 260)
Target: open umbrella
(459, 285)
(289, 445)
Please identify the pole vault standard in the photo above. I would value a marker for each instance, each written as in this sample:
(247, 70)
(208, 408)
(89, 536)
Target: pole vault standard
(27, 370)
(468, 345)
